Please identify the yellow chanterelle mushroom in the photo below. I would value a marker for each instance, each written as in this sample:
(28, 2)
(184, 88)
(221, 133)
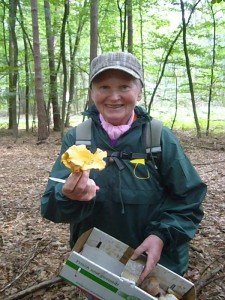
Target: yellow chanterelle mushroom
(79, 158)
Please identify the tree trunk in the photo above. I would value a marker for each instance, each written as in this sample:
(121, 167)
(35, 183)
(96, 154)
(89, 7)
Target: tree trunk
(26, 67)
(142, 50)
(63, 56)
(53, 90)
(123, 24)
(94, 36)
(42, 119)
(167, 56)
(130, 25)
(176, 98)
(73, 53)
(13, 68)
(189, 72)
(94, 29)
(212, 72)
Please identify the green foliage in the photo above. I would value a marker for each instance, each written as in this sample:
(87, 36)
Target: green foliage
(156, 24)
(217, 1)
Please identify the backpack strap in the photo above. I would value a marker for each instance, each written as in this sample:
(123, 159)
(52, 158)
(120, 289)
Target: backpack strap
(153, 136)
(83, 133)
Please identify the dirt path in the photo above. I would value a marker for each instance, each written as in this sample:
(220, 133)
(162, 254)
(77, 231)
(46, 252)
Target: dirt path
(33, 249)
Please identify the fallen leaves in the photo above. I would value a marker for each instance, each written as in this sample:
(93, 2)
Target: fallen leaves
(23, 232)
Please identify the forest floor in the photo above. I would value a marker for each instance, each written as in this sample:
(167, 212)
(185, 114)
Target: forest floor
(33, 250)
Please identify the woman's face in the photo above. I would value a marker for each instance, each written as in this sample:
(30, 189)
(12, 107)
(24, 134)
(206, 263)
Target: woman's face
(115, 94)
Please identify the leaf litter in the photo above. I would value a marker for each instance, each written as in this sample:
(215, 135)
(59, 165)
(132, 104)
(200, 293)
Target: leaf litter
(33, 249)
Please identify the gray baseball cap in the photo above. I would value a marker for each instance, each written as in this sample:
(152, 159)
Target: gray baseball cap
(123, 61)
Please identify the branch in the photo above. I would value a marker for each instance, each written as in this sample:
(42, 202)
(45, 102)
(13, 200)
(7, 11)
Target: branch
(210, 163)
(24, 268)
(167, 56)
(35, 288)
(207, 282)
(195, 248)
(210, 277)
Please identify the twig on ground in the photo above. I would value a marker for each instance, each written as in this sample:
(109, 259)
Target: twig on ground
(209, 277)
(25, 266)
(195, 248)
(206, 267)
(203, 284)
(35, 288)
(210, 163)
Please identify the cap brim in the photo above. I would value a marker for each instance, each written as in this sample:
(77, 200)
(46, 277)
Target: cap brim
(121, 68)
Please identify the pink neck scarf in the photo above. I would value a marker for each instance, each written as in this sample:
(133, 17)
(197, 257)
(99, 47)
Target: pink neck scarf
(114, 132)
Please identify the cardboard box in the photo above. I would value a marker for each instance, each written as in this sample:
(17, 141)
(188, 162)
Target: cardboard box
(100, 263)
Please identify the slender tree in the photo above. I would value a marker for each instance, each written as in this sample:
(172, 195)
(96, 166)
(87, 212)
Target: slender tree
(129, 26)
(53, 89)
(93, 35)
(13, 68)
(212, 71)
(176, 97)
(123, 23)
(142, 49)
(64, 64)
(73, 52)
(4, 38)
(167, 56)
(42, 118)
(94, 29)
(188, 68)
(27, 73)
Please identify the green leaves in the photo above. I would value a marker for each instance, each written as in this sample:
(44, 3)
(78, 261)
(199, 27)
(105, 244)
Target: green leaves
(217, 1)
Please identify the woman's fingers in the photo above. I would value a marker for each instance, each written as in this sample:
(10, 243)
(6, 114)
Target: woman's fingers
(152, 246)
(71, 182)
(80, 187)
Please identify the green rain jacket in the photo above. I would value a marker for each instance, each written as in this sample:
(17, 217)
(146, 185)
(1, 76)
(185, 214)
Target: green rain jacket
(133, 202)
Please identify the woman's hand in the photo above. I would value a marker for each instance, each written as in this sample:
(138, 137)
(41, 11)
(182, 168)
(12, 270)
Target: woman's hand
(152, 246)
(80, 187)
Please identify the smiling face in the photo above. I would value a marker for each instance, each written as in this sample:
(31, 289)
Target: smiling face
(115, 94)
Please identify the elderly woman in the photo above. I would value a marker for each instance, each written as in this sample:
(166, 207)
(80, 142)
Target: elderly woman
(155, 212)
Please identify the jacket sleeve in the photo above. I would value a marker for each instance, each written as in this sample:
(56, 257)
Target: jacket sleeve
(54, 205)
(181, 211)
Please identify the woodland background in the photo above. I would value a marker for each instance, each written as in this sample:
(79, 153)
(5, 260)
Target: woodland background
(46, 48)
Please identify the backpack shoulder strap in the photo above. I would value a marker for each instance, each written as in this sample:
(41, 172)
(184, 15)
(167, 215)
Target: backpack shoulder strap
(83, 133)
(153, 136)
